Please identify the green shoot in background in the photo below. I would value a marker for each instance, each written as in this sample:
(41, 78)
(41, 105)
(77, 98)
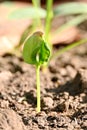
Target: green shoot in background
(37, 21)
(49, 16)
(36, 52)
(37, 13)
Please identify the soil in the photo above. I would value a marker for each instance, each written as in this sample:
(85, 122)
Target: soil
(63, 93)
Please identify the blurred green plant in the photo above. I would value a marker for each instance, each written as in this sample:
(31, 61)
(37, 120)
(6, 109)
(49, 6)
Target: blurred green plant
(28, 12)
(67, 48)
(71, 8)
(49, 17)
(36, 13)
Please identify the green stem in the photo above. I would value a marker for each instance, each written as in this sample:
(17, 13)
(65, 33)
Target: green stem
(48, 19)
(36, 3)
(38, 87)
(37, 21)
(75, 44)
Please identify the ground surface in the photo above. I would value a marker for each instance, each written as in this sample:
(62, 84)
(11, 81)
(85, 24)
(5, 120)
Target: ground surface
(63, 89)
(63, 93)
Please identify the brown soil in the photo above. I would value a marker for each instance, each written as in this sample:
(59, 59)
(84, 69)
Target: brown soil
(63, 93)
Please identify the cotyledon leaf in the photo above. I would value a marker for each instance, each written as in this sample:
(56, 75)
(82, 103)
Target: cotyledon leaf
(27, 12)
(35, 49)
(70, 8)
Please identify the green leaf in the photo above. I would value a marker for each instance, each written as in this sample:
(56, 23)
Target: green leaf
(70, 8)
(35, 50)
(74, 22)
(69, 47)
(28, 12)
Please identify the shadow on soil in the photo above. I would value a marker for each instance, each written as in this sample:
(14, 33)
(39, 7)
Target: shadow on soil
(73, 87)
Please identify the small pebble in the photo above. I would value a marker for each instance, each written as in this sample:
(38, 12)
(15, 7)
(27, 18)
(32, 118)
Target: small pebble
(66, 95)
(63, 72)
(48, 102)
(71, 71)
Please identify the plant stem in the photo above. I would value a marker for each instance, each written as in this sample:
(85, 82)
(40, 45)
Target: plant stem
(36, 3)
(38, 87)
(37, 21)
(71, 46)
(48, 19)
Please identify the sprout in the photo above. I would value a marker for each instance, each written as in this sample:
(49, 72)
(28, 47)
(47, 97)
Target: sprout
(36, 52)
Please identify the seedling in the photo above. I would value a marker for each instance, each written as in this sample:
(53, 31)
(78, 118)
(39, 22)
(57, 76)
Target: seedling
(36, 52)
